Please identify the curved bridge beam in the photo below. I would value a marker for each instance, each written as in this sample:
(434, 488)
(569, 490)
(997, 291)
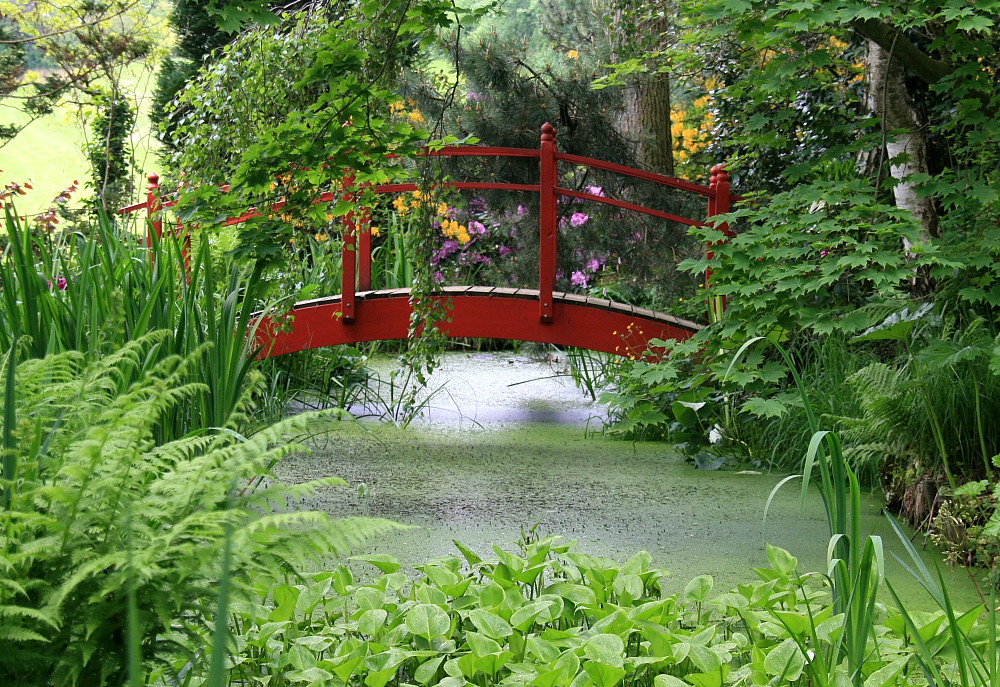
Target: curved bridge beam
(475, 312)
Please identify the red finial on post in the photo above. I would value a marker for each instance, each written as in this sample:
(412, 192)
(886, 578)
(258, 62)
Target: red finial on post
(548, 133)
(547, 222)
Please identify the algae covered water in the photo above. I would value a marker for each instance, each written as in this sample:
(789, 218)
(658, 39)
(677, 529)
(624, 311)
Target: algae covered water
(503, 450)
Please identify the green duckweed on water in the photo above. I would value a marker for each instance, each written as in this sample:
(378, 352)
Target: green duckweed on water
(483, 469)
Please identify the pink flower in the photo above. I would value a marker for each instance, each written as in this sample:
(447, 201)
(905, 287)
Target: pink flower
(476, 228)
(579, 279)
(578, 219)
(594, 264)
(595, 191)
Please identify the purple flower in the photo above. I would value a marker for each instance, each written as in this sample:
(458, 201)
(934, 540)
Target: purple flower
(521, 211)
(579, 279)
(477, 204)
(578, 219)
(505, 251)
(476, 228)
(594, 264)
(438, 277)
(474, 97)
(823, 253)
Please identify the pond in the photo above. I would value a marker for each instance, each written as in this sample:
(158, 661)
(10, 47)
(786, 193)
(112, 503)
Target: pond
(503, 448)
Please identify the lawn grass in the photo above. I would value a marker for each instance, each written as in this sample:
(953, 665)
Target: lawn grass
(49, 152)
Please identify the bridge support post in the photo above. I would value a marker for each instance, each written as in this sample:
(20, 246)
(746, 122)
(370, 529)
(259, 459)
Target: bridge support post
(719, 203)
(547, 223)
(153, 206)
(349, 256)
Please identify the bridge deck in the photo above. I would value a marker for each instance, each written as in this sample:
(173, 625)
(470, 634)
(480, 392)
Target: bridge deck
(477, 312)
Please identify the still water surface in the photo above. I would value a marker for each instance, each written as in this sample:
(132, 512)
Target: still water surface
(504, 446)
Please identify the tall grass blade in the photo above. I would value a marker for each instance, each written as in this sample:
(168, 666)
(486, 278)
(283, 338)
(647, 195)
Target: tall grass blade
(9, 421)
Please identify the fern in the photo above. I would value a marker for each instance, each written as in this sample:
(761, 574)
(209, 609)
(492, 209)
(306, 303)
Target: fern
(100, 511)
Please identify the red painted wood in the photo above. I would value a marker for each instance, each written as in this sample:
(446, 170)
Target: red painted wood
(547, 223)
(356, 256)
(153, 208)
(503, 316)
(460, 186)
(489, 151)
(348, 257)
(719, 203)
(630, 206)
(636, 173)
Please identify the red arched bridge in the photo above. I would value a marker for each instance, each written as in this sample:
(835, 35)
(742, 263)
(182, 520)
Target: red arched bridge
(542, 315)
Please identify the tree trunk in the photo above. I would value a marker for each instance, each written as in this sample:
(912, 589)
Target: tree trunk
(657, 150)
(905, 140)
(646, 117)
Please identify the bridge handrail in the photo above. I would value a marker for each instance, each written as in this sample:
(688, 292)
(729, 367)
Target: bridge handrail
(357, 247)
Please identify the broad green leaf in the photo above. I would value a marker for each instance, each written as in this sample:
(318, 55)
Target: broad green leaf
(481, 645)
(887, 674)
(785, 661)
(490, 623)
(285, 598)
(698, 589)
(765, 407)
(372, 621)
(427, 670)
(312, 675)
(382, 561)
(602, 674)
(781, 561)
(668, 681)
(606, 649)
(428, 621)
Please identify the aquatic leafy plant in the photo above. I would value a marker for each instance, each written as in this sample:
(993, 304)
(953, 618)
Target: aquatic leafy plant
(547, 615)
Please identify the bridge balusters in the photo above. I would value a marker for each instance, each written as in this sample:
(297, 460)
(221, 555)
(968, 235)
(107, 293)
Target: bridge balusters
(547, 222)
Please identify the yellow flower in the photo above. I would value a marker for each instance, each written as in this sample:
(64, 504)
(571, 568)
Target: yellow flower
(375, 231)
(442, 209)
(322, 237)
(401, 205)
(573, 54)
(416, 117)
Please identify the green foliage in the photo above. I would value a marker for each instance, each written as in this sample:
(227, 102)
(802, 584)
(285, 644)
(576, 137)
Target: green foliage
(95, 293)
(810, 259)
(286, 111)
(99, 512)
(548, 615)
(110, 150)
(198, 35)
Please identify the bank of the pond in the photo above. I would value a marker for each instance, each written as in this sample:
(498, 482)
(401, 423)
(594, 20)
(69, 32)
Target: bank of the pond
(479, 474)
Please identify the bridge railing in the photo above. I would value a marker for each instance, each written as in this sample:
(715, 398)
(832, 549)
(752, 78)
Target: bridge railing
(357, 235)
